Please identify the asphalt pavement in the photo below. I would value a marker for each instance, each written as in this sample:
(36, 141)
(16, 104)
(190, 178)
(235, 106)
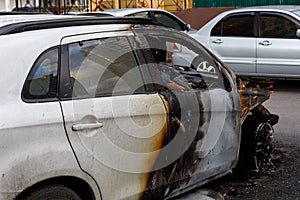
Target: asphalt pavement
(282, 181)
(285, 102)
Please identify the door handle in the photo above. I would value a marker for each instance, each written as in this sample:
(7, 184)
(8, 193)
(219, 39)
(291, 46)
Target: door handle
(80, 127)
(218, 41)
(265, 43)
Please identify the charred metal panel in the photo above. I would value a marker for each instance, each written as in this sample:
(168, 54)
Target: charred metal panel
(253, 93)
(208, 146)
(203, 135)
(257, 122)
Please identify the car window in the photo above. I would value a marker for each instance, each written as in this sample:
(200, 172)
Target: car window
(141, 15)
(162, 18)
(104, 67)
(236, 25)
(41, 83)
(168, 21)
(184, 65)
(275, 26)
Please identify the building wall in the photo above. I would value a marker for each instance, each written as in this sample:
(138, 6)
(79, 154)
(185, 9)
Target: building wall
(171, 5)
(197, 17)
(8, 5)
(2, 6)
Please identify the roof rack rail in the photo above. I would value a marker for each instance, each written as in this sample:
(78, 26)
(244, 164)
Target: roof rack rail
(67, 22)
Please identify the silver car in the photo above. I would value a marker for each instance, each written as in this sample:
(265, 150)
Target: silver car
(159, 16)
(257, 41)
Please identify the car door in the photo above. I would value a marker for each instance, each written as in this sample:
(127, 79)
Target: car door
(233, 40)
(278, 47)
(114, 125)
(203, 135)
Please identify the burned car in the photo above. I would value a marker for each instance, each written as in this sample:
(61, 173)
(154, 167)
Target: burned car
(256, 121)
(257, 125)
(98, 110)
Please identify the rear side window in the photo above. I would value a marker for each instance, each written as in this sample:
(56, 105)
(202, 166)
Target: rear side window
(141, 15)
(275, 26)
(104, 67)
(168, 21)
(235, 26)
(41, 83)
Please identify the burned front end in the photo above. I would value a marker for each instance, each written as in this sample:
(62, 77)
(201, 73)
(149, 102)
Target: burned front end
(257, 125)
(216, 121)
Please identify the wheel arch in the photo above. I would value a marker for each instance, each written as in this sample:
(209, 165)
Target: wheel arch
(78, 185)
(253, 124)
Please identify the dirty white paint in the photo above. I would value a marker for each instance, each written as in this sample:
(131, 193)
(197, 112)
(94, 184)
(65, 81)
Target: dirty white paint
(125, 148)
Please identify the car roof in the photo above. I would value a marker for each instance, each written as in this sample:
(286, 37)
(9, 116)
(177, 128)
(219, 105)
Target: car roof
(272, 7)
(278, 8)
(98, 14)
(275, 8)
(129, 11)
(10, 24)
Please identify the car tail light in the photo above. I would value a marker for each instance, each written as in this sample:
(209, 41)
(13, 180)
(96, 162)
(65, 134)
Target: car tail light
(176, 47)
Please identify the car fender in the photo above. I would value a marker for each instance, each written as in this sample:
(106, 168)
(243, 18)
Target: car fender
(31, 164)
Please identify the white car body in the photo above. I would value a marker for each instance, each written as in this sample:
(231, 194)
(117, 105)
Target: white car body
(59, 129)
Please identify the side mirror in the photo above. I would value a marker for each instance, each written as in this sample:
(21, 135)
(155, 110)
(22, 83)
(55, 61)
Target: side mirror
(298, 33)
(188, 27)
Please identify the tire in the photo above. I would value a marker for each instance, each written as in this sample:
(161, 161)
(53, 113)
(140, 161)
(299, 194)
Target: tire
(256, 146)
(50, 192)
(263, 148)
